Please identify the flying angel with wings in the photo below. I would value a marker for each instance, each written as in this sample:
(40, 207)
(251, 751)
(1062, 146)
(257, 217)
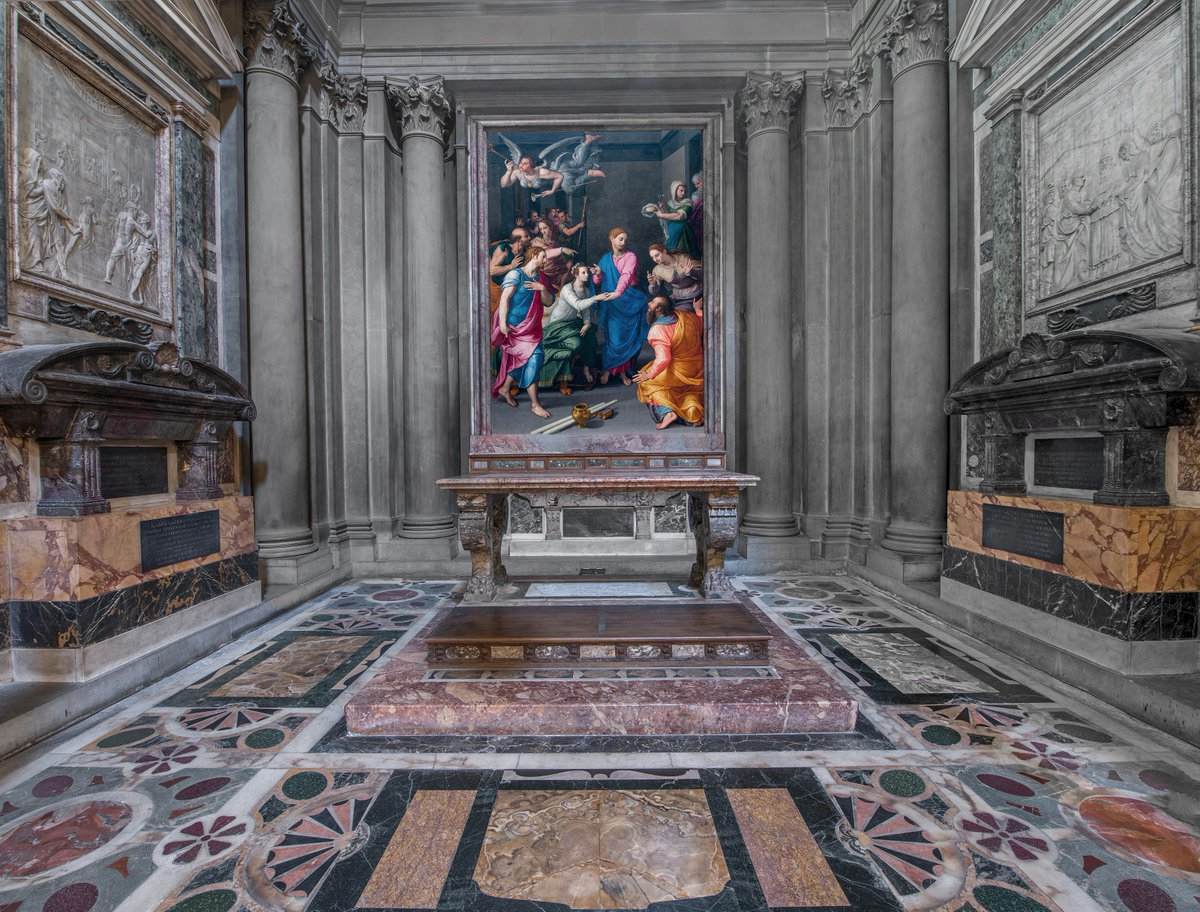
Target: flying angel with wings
(575, 164)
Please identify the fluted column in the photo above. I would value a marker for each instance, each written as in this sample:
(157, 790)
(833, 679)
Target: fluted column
(766, 106)
(425, 113)
(915, 42)
(276, 49)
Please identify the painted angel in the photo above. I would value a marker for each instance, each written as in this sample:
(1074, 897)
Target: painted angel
(569, 169)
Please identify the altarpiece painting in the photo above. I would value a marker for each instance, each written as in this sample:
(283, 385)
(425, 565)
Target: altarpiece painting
(593, 298)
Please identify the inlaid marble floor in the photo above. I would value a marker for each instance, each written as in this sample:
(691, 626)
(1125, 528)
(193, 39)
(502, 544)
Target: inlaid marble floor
(971, 783)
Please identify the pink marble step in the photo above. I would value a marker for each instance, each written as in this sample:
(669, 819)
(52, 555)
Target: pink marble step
(804, 698)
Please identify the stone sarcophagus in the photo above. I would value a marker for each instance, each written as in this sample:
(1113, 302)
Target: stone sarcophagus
(132, 513)
(1080, 515)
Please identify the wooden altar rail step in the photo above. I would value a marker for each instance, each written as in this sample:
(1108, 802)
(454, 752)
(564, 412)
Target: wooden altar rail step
(709, 633)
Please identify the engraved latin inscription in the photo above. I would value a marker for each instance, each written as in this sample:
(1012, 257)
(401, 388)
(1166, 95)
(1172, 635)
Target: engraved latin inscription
(1032, 533)
(1069, 462)
(179, 538)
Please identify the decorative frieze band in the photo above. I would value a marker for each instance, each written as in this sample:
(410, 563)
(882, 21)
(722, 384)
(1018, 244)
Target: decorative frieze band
(914, 33)
(767, 100)
(277, 39)
(424, 106)
(343, 98)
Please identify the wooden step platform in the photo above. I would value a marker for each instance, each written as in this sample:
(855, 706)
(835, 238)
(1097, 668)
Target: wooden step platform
(708, 632)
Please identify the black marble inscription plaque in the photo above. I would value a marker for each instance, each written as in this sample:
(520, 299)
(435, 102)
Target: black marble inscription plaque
(597, 522)
(1033, 533)
(131, 471)
(1069, 462)
(179, 538)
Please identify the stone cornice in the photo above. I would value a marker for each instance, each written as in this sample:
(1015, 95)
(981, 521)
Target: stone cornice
(343, 99)
(424, 107)
(767, 100)
(914, 33)
(276, 39)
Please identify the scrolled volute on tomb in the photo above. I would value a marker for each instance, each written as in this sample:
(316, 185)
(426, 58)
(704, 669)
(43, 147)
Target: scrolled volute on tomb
(73, 397)
(1127, 386)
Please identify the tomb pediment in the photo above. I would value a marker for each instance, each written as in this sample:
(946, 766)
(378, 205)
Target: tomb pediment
(151, 391)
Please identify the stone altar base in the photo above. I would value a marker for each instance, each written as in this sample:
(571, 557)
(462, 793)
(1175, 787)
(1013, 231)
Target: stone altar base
(797, 696)
(630, 633)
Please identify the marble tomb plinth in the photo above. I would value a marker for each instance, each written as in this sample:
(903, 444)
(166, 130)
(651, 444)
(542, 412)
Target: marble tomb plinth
(408, 698)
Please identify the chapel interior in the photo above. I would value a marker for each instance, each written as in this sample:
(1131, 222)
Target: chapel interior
(544, 455)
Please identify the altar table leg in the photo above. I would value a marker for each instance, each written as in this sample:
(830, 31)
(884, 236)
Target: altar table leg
(481, 522)
(714, 521)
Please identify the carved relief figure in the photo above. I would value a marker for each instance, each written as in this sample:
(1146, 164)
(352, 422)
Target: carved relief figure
(1102, 214)
(142, 254)
(127, 228)
(48, 224)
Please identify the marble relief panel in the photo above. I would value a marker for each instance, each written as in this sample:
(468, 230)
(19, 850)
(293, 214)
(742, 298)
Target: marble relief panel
(88, 185)
(1106, 194)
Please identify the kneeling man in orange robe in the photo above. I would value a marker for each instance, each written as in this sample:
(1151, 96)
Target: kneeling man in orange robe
(672, 385)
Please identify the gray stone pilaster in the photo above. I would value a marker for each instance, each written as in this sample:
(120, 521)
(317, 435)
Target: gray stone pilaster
(766, 103)
(915, 41)
(275, 44)
(425, 113)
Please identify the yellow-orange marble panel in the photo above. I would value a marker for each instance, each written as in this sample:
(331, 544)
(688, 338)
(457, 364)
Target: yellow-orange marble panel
(1131, 549)
(414, 867)
(790, 865)
(77, 557)
(40, 560)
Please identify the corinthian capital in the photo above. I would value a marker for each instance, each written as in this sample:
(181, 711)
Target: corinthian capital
(343, 98)
(424, 107)
(847, 95)
(767, 100)
(276, 39)
(914, 33)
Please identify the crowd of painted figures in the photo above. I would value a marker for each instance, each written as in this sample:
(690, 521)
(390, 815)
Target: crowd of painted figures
(556, 319)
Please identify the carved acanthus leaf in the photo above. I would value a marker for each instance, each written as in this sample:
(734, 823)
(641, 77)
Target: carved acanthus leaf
(767, 100)
(343, 98)
(424, 107)
(277, 39)
(914, 33)
(847, 94)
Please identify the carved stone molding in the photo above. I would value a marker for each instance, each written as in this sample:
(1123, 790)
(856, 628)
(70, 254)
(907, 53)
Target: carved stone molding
(343, 99)
(276, 39)
(424, 107)
(914, 33)
(847, 94)
(767, 100)
(100, 322)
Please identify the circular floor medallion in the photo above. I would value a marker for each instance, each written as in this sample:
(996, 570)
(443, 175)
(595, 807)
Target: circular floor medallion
(50, 842)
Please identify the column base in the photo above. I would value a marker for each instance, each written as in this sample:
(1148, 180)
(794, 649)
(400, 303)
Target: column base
(283, 543)
(910, 538)
(762, 554)
(907, 568)
(770, 526)
(428, 526)
(294, 570)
